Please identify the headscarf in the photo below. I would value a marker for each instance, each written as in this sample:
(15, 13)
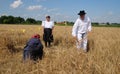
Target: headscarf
(36, 36)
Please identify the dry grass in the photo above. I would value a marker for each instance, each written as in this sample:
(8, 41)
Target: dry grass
(62, 58)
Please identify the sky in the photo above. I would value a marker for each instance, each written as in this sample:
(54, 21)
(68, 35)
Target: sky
(63, 10)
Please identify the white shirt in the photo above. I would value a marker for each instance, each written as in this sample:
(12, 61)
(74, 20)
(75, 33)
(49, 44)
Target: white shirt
(81, 26)
(47, 24)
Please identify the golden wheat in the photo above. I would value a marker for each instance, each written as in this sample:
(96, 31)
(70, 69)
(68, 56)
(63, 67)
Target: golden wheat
(63, 57)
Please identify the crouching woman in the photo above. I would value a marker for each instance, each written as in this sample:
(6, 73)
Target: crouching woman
(33, 49)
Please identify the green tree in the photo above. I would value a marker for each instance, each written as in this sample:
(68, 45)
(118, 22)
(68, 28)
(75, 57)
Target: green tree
(2, 18)
(10, 20)
(30, 21)
(19, 20)
(108, 23)
(39, 22)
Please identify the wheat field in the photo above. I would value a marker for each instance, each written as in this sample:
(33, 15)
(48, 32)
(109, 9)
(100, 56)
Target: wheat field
(63, 57)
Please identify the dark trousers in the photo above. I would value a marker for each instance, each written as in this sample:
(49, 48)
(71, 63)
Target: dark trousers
(46, 36)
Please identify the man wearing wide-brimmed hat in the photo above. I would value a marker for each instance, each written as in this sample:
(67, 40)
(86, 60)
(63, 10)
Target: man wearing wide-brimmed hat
(81, 29)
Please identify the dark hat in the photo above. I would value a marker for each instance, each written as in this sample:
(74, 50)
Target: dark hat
(82, 13)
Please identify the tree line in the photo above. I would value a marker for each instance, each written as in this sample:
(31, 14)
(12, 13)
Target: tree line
(18, 20)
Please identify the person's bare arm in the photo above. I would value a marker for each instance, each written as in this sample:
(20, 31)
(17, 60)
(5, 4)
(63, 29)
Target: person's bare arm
(42, 27)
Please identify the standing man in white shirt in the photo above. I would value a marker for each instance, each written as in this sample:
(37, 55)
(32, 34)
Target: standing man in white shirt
(81, 29)
(48, 27)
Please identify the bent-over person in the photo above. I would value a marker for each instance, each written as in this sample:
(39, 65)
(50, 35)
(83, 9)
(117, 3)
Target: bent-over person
(33, 49)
